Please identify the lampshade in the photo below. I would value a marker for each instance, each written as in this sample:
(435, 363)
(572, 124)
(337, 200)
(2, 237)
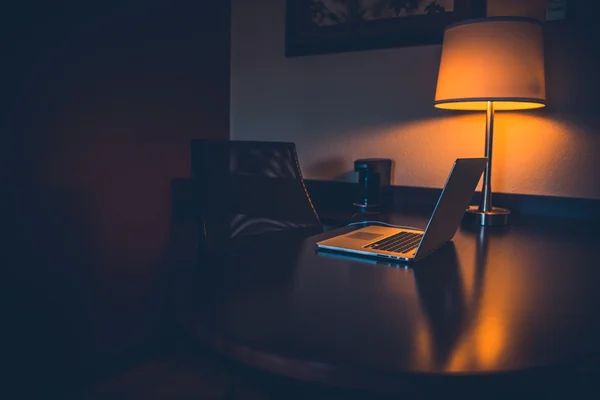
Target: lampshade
(499, 59)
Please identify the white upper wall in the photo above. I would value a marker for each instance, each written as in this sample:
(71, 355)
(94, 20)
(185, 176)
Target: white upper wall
(340, 107)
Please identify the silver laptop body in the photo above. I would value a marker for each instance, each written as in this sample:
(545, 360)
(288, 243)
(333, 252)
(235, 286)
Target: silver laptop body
(410, 245)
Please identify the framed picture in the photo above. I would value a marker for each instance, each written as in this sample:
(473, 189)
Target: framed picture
(331, 26)
(557, 10)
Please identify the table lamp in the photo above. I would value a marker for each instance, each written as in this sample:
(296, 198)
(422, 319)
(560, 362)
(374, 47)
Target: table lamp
(491, 64)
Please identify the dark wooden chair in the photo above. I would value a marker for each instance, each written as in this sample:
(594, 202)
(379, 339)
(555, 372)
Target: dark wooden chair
(249, 192)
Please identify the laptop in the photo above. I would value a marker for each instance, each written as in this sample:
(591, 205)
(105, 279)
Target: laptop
(411, 244)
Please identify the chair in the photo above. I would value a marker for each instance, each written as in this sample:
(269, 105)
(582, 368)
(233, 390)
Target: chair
(248, 191)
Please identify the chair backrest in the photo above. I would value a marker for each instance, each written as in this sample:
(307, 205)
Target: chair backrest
(248, 189)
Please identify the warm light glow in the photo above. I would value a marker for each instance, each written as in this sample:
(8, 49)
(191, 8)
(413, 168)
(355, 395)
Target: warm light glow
(543, 150)
(423, 354)
(489, 341)
(482, 105)
(483, 347)
(495, 59)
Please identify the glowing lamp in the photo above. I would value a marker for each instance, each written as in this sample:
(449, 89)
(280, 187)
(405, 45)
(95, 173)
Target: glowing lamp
(491, 64)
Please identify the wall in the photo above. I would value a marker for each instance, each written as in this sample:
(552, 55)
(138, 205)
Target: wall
(99, 107)
(340, 107)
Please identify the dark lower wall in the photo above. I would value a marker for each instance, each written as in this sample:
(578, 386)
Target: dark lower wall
(100, 102)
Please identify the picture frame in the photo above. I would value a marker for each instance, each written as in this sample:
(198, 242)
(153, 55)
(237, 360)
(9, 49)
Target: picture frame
(559, 10)
(311, 28)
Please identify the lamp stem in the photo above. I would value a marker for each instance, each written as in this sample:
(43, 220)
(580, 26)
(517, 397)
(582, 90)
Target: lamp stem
(486, 193)
(485, 214)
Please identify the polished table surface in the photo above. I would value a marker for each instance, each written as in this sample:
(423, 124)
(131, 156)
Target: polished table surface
(493, 301)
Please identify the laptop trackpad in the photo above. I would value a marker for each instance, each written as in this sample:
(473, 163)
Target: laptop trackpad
(364, 235)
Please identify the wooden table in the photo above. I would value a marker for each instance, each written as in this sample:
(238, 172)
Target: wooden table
(492, 303)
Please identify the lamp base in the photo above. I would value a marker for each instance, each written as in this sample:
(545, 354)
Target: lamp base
(496, 217)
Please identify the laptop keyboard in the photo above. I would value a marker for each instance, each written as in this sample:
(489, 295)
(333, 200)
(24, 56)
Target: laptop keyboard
(401, 242)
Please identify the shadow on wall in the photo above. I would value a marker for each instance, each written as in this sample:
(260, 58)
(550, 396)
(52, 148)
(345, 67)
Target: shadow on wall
(49, 273)
(572, 61)
(107, 102)
(74, 316)
(335, 167)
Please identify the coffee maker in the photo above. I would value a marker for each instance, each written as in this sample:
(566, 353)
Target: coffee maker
(374, 180)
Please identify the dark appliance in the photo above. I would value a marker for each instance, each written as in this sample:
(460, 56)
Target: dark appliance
(374, 180)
